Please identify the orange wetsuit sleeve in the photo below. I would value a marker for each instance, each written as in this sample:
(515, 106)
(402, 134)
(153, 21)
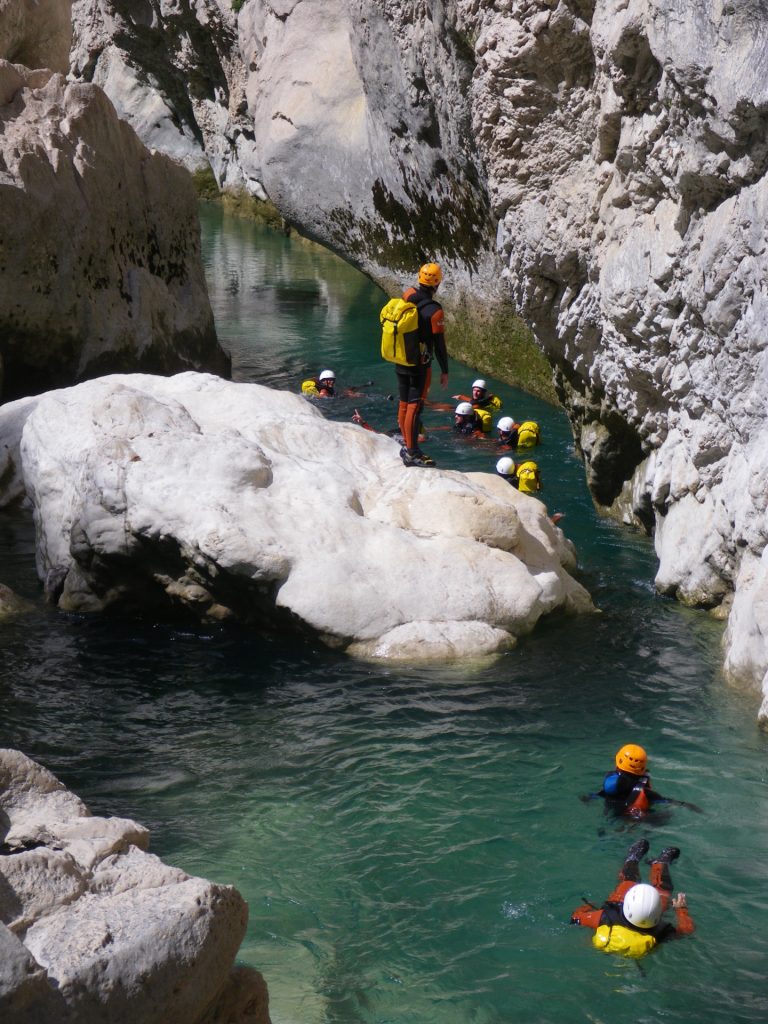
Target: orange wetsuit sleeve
(684, 922)
(587, 916)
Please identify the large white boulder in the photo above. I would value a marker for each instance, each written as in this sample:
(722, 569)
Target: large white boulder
(235, 501)
(96, 930)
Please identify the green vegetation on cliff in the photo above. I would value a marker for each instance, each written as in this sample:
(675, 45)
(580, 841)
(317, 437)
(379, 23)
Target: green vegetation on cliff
(238, 202)
(500, 344)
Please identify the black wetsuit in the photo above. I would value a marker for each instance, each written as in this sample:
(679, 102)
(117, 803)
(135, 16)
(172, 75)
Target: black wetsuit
(619, 789)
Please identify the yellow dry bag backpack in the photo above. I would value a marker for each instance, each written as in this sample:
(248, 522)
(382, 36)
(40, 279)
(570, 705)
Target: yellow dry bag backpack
(400, 333)
(622, 941)
(528, 434)
(528, 478)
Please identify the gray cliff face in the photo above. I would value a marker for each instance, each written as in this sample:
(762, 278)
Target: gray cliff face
(174, 73)
(36, 33)
(353, 117)
(610, 156)
(100, 262)
(632, 225)
(100, 265)
(369, 102)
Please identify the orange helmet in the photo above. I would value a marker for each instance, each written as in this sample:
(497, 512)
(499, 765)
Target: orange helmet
(430, 274)
(632, 759)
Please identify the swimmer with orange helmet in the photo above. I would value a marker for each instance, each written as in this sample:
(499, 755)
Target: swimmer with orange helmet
(627, 790)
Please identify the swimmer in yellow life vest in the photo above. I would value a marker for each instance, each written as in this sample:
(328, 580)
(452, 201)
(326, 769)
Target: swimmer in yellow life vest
(481, 397)
(630, 922)
(524, 476)
(322, 386)
(507, 430)
(471, 422)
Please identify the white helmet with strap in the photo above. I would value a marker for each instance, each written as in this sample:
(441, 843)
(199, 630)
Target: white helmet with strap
(642, 906)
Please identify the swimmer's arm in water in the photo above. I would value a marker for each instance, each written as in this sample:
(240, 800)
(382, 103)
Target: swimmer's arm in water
(683, 922)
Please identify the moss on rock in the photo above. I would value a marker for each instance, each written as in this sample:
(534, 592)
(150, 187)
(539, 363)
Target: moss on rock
(497, 342)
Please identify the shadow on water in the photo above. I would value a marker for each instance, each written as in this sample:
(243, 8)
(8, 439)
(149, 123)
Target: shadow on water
(410, 839)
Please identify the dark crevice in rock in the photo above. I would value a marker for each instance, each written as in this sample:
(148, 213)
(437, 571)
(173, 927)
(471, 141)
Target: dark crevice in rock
(616, 450)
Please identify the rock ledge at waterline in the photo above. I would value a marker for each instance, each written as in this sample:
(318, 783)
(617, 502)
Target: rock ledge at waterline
(234, 501)
(93, 929)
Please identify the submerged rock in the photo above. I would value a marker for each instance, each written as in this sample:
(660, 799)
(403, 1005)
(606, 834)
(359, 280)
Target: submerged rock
(233, 501)
(94, 929)
(11, 604)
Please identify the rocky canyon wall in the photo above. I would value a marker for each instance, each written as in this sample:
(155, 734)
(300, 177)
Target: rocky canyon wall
(601, 165)
(100, 265)
(631, 207)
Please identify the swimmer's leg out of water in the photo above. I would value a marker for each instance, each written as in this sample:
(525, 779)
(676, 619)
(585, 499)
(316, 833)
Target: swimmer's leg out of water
(629, 875)
(413, 385)
(661, 879)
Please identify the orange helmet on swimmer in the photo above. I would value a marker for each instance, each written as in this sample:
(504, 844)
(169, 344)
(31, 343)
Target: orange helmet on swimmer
(632, 759)
(430, 274)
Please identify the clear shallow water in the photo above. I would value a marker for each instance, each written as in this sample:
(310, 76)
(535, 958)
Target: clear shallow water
(411, 841)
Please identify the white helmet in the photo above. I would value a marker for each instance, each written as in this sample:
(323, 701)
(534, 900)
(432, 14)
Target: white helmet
(327, 375)
(506, 467)
(480, 383)
(464, 409)
(642, 906)
(506, 423)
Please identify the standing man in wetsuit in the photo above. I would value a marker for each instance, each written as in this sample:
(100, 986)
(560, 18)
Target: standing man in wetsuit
(413, 381)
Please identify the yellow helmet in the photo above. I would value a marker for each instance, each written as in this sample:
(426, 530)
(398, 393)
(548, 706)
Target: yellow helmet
(430, 274)
(632, 759)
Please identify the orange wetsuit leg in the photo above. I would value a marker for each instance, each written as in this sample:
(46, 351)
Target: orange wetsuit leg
(661, 880)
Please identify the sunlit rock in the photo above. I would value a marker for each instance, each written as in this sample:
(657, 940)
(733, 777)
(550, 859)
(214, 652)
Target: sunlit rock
(94, 929)
(100, 264)
(233, 501)
(36, 33)
(175, 74)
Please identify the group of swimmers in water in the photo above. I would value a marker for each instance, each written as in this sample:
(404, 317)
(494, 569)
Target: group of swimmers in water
(473, 419)
(631, 922)
(413, 337)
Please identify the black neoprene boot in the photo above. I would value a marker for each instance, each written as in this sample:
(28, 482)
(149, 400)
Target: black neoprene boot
(667, 855)
(637, 850)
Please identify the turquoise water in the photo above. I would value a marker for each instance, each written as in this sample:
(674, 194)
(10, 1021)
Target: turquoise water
(411, 841)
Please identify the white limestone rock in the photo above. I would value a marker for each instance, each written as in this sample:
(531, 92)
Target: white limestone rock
(176, 76)
(234, 501)
(629, 175)
(99, 243)
(94, 930)
(36, 33)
